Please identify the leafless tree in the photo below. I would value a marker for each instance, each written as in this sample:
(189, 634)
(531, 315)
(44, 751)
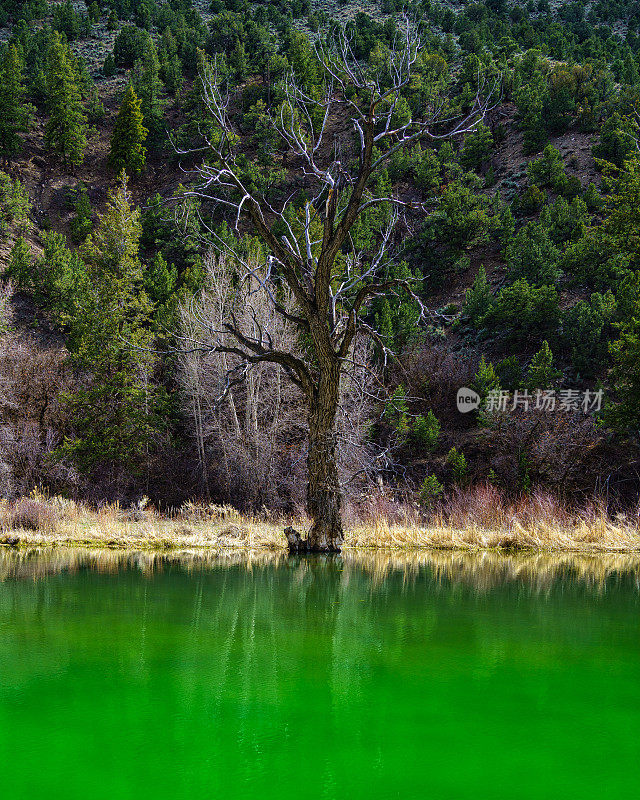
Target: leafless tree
(6, 400)
(245, 421)
(314, 262)
(249, 424)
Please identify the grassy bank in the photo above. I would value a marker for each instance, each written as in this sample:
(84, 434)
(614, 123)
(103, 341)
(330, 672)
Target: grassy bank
(479, 519)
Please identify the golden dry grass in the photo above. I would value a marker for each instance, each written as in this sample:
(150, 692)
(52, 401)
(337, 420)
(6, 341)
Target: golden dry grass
(477, 520)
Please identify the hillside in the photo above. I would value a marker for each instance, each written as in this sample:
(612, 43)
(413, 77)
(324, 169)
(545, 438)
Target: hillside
(519, 237)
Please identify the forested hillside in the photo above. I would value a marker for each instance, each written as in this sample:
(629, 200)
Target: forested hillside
(513, 265)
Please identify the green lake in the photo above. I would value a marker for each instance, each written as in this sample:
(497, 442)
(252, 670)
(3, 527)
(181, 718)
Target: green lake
(430, 676)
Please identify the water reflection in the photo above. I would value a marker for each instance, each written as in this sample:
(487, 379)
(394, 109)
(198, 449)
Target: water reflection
(253, 675)
(480, 570)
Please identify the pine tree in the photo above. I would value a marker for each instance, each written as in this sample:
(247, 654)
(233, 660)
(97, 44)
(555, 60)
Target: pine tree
(66, 130)
(541, 373)
(116, 418)
(478, 298)
(170, 64)
(486, 379)
(14, 113)
(533, 256)
(624, 415)
(477, 148)
(148, 87)
(127, 150)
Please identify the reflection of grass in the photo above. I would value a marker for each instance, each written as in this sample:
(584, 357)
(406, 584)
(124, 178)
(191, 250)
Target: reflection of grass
(479, 519)
(480, 570)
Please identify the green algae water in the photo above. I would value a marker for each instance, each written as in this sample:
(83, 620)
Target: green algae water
(440, 676)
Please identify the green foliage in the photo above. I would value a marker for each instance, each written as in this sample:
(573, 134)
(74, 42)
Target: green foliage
(522, 312)
(559, 106)
(532, 199)
(426, 431)
(66, 129)
(109, 66)
(585, 331)
(592, 197)
(541, 373)
(82, 223)
(509, 373)
(170, 63)
(14, 112)
(265, 135)
(129, 46)
(396, 413)
(397, 314)
(160, 280)
(477, 148)
(430, 491)
(548, 170)
(529, 100)
(532, 255)
(148, 87)
(486, 379)
(623, 414)
(463, 219)
(566, 222)
(15, 206)
(618, 136)
(622, 213)
(115, 418)
(20, 262)
(457, 463)
(594, 260)
(129, 134)
(478, 299)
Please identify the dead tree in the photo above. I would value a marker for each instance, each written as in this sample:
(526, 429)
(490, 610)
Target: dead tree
(331, 284)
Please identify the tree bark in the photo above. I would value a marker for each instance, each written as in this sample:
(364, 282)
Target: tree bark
(324, 496)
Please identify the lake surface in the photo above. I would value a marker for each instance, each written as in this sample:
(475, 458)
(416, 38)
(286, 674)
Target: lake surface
(432, 676)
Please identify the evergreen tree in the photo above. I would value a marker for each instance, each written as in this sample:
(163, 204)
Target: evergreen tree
(116, 416)
(14, 113)
(66, 129)
(486, 380)
(622, 221)
(478, 298)
(148, 86)
(532, 255)
(624, 415)
(127, 150)
(541, 373)
(477, 148)
(170, 65)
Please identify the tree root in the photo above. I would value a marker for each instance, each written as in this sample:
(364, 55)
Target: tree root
(297, 544)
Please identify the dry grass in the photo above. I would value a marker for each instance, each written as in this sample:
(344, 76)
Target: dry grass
(479, 519)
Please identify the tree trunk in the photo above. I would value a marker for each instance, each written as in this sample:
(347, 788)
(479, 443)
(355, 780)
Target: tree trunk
(324, 497)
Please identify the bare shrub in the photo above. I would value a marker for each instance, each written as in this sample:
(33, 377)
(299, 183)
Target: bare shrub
(435, 373)
(33, 382)
(561, 451)
(7, 402)
(489, 507)
(29, 514)
(249, 422)
(246, 421)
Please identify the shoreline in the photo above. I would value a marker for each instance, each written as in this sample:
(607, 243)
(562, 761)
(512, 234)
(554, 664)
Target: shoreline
(40, 521)
(270, 538)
